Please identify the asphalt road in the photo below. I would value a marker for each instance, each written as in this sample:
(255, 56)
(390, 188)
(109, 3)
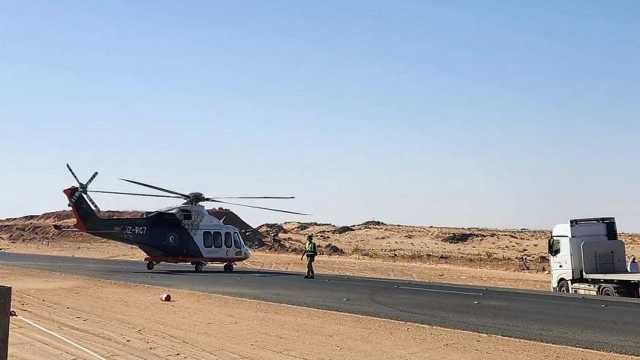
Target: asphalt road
(593, 323)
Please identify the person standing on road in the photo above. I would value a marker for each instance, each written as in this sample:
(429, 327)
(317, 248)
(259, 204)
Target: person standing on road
(310, 252)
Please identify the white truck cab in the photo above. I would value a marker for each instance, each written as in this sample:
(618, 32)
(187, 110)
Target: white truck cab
(586, 257)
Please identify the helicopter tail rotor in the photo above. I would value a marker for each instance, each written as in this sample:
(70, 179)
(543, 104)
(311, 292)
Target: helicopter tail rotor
(83, 187)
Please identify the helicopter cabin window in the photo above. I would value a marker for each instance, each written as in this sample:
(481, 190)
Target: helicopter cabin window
(217, 239)
(207, 239)
(237, 240)
(186, 215)
(227, 240)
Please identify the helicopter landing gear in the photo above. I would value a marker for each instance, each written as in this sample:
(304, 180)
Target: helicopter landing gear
(199, 266)
(150, 265)
(228, 267)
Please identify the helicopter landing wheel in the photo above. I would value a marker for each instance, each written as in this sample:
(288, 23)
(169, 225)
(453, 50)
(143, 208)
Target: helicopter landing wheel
(198, 267)
(150, 265)
(228, 267)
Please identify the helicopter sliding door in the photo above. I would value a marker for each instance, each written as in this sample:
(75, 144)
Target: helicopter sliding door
(221, 244)
(212, 244)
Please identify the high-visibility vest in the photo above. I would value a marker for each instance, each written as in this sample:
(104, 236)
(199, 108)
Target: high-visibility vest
(310, 248)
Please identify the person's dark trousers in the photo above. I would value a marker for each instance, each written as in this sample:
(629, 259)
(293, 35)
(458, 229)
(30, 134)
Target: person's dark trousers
(310, 273)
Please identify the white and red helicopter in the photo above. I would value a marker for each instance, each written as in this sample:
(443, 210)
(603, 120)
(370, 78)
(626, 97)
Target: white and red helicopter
(183, 234)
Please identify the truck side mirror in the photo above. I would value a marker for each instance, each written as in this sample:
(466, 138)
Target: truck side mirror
(554, 246)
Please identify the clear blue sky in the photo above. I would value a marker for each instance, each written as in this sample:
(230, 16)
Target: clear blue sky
(428, 112)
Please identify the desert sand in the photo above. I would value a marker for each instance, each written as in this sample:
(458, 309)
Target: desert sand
(498, 249)
(126, 321)
(371, 249)
(339, 265)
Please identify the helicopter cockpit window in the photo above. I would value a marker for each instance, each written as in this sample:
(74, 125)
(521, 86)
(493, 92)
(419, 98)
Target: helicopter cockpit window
(237, 241)
(207, 239)
(227, 241)
(186, 215)
(217, 239)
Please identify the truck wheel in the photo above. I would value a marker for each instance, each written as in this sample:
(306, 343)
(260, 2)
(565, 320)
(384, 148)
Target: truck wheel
(198, 267)
(150, 265)
(228, 267)
(608, 290)
(563, 287)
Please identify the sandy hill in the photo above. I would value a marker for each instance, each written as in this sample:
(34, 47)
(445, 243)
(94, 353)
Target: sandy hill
(492, 248)
(39, 228)
(499, 248)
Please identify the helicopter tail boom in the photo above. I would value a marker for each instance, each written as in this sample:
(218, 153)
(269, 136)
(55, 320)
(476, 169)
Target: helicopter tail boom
(87, 220)
(85, 216)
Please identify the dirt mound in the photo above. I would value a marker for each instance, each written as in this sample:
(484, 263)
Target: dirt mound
(342, 230)
(39, 228)
(297, 227)
(50, 217)
(372, 223)
(307, 227)
(251, 236)
(491, 248)
(270, 229)
(331, 249)
(459, 238)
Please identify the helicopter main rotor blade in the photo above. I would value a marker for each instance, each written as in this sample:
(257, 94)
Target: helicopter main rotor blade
(184, 196)
(135, 194)
(74, 174)
(91, 179)
(255, 207)
(252, 197)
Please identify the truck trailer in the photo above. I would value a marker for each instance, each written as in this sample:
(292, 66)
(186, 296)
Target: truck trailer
(586, 257)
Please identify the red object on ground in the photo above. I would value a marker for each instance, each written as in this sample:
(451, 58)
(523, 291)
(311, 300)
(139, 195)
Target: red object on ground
(165, 297)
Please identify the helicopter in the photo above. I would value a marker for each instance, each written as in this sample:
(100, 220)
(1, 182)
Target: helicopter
(186, 233)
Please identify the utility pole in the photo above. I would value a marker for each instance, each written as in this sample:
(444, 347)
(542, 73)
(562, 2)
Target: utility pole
(5, 310)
